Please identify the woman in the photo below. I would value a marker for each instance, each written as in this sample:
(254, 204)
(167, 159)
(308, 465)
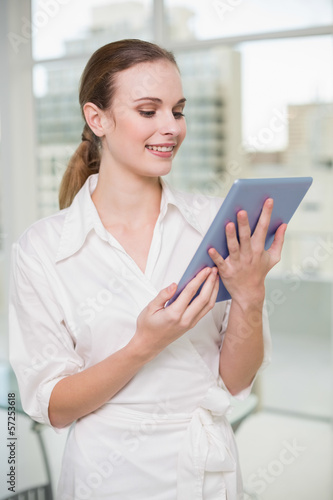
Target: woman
(144, 388)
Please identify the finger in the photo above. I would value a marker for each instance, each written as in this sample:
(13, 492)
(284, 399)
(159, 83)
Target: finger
(244, 231)
(210, 302)
(217, 259)
(261, 229)
(206, 291)
(164, 295)
(232, 240)
(185, 297)
(275, 249)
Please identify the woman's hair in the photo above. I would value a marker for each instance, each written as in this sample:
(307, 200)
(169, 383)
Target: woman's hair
(98, 86)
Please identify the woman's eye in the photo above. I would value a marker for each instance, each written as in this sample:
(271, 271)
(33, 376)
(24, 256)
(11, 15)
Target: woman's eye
(147, 114)
(150, 114)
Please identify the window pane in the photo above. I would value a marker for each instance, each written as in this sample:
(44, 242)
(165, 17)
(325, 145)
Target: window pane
(74, 29)
(211, 82)
(81, 26)
(287, 96)
(59, 126)
(287, 114)
(222, 18)
(280, 73)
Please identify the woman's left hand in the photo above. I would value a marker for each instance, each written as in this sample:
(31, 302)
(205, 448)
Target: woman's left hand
(243, 272)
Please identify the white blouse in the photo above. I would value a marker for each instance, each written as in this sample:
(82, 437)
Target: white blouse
(75, 298)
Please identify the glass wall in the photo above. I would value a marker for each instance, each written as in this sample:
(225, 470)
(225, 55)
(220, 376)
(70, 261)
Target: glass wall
(212, 85)
(287, 127)
(287, 100)
(59, 125)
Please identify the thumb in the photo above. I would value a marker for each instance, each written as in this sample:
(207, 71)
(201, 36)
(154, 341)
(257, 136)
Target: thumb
(165, 294)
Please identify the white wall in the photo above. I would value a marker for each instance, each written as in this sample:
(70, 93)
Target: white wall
(18, 165)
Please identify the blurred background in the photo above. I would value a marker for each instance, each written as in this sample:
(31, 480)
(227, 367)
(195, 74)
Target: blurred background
(258, 78)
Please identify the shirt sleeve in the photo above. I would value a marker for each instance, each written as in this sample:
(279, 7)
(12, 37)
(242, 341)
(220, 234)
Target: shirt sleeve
(267, 351)
(41, 348)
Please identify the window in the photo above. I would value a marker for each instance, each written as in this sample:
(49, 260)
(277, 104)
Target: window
(65, 28)
(258, 78)
(188, 20)
(287, 118)
(287, 128)
(211, 81)
(68, 34)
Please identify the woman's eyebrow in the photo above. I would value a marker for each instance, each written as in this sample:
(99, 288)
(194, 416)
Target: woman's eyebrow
(156, 99)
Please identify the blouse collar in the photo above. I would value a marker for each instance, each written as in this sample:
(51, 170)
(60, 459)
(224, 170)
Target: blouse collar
(82, 216)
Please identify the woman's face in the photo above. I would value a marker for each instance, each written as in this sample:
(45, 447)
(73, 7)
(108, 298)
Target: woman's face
(145, 126)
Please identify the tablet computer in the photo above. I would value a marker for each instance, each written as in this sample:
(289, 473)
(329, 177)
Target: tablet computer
(249, 195)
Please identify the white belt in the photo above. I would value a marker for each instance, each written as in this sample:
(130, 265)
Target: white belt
(205, 450)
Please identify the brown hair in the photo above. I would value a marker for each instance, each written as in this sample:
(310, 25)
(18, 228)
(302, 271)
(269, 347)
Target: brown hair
(97, 85)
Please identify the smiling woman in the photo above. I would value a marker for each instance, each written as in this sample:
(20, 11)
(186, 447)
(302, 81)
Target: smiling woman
(145, 388)
(131, 126)
(132, 64)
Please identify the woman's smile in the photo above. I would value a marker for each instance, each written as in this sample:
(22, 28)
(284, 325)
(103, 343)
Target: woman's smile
(162, 150)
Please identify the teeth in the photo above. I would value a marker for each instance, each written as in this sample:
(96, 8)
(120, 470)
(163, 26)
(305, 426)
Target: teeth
(163, 149)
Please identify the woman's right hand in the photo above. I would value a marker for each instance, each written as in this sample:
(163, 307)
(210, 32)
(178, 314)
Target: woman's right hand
(79, 394)
(158, 326)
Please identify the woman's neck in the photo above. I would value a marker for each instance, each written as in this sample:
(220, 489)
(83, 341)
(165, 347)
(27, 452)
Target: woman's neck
(127, 199)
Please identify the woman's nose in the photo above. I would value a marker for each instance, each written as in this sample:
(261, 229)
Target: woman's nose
(170, 125)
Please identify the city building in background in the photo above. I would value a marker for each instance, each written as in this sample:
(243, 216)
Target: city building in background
(212, 86)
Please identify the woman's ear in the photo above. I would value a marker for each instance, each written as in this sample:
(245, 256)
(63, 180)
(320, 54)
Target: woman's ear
(96, 119)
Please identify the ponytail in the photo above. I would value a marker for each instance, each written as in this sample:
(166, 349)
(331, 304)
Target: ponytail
(98, 87)
(83, 163)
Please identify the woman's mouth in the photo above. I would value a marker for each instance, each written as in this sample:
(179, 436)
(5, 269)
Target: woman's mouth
(161, 150)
